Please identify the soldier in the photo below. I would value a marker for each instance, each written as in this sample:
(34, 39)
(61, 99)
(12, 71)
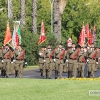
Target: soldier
(72, 59)
(91, 55)
(1, 60)
(81, 62)
(59, 60)
(65, 68)
(6, 60)
(98, 58)
(49, 61)
(12, 64)
(42, 61)
(19, 56)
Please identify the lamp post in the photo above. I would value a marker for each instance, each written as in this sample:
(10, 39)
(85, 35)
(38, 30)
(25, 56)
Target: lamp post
(51, 4)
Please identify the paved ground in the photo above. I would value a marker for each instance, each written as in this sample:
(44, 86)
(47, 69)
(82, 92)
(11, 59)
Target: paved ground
(36, 74)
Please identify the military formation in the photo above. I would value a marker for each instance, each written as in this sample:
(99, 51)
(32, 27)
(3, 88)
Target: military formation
(77, 61)
(11, 61)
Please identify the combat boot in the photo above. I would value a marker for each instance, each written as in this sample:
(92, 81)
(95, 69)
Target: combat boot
(46, 73)
(56, 74)
(68, 74)
(89, 74)
(41, 72)
(16, 73)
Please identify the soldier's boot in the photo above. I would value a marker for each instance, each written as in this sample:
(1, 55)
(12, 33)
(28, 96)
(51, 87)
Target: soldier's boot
(16, 73)
(79, 74)
(41, 72)
(56, 74)
(1, 72)
(92, 73)
(4, 73)
(89, 74)
(68, 74)
(46, 73)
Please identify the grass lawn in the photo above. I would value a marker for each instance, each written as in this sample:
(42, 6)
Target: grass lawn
(42, 89)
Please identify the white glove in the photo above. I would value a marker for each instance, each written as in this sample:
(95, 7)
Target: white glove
(87, 60)
(66, 60)
(14, 60)
(44, 61)
(54, 60)
(40, 54)
(2, 61)
(96, 62)
(25, 63)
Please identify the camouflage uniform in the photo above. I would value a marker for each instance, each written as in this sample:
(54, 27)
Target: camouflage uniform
(81, 63)
(19, 56)
(42, 61)
(91, 55)
(49, 61)
(59, 60)
(72, 59)
(6, 61)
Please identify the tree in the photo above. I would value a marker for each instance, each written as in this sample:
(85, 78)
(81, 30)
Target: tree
(34, 15)
(57, 21)
(22, 19)
(11, 8)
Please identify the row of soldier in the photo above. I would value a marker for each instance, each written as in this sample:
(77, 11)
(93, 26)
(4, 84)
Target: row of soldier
(11, 61)
(74, 60)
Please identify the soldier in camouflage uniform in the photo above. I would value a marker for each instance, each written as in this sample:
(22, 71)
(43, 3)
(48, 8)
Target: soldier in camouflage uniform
(59, 60)
(98, 58)
(6, 60)
(81, 62)
(42, 61)
(91, 55)
(72, 59)
(1, 60)
(49, 61)
(19, 56)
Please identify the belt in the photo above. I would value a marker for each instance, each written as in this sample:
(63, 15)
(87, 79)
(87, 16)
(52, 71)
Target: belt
(6, 58)
(92, 58)
(73, 59)
(19, 59)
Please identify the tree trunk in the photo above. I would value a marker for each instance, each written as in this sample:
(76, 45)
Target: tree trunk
(10, 9)
(34, 15)
(57, 21)
(22, 20)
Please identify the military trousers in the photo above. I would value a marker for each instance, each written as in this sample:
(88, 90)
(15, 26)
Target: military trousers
(19, 67)
(91, 67)
(72, 67)
(42, 68)
(6, 66)
(11, 69)
(59, 66)
(65, 67)
(81, 67)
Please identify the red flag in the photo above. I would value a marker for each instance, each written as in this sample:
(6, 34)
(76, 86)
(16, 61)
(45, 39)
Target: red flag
(82, 36)
(89, 35)
(17, 39)
(42, 35)
(8, 36)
